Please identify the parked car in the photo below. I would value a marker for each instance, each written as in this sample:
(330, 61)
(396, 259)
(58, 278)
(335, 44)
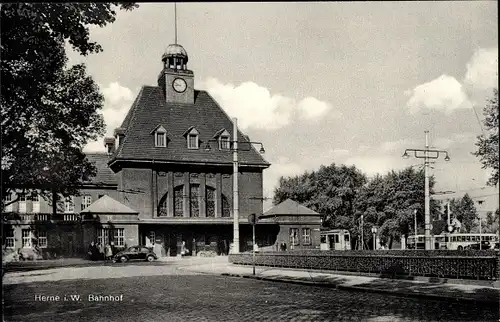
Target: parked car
(485, 245)
(135, 253)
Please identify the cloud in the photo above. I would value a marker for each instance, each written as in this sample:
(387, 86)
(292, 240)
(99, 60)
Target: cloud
(443, 93)
(446, 93)
(312, 108)
(115, 94)
(117, 102)
(482, 69)
(255, 107)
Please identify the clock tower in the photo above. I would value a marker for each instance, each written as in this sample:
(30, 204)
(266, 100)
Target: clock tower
(176, 81)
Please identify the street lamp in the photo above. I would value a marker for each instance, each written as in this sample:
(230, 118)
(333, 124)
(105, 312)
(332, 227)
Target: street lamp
(415, 230)
(234, 149)
(362, 237)
(374, 232)
(480, 202)
(252, 219)
(428, 154)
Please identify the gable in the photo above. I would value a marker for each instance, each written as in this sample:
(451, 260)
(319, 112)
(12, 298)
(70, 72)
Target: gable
(159, 129)
(191, 130)
(290, 207)
(108, 205)
(222, 132)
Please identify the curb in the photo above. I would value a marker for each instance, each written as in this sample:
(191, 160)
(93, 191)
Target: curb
(364, 289)
(424, 279)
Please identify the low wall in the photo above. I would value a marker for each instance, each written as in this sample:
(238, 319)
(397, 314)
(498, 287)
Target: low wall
(469, 264)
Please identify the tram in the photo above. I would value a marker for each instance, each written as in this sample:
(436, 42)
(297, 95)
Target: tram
(335, 239)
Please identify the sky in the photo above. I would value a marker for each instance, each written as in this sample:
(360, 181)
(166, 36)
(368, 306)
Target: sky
(317, 83)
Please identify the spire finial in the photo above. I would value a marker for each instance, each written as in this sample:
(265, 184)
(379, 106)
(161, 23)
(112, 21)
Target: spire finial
(175, 18)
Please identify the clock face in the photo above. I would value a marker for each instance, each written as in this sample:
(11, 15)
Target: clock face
(179, 85)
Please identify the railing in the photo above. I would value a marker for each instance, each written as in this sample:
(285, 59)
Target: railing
(448, 264)
(42, 217)
(70, 217)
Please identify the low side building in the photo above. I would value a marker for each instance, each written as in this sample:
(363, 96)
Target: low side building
(298, 226)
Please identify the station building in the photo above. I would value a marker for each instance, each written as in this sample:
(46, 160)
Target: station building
(166, 179)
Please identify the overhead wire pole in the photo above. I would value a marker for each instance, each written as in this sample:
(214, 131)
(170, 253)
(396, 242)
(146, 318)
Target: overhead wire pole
(427, 195)
(236, 211)
(426, 157)
(362, 239)
(234, 149)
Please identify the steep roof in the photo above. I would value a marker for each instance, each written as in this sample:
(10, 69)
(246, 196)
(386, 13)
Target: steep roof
(108, 205)
(150, 110)
(104, 174)
(290, 207)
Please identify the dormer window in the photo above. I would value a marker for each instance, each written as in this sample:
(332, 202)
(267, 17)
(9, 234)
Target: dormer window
(193, 141)
(160, 135)
(224, 139)
(224, 142)
(161, 140)
(192, 138)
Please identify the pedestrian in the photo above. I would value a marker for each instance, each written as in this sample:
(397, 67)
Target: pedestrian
(100, 248)
(184, 250)
(284, 247)
(92, 251)
(108, 251)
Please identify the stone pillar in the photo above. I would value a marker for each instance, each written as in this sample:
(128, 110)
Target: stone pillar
(170, 195)
(203, 195)
(187, 195)
(218, 195)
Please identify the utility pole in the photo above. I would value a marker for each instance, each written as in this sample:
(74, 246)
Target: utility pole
(415, 230)
(428, 154)
(427, 195)
(480, 202)
(236, 210)
(362, 232)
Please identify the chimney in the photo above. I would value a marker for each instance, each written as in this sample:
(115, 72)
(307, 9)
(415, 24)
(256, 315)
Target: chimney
(109, 143)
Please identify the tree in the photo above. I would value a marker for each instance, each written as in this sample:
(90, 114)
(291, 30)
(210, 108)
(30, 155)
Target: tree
(488, 144)
(389, 202)
(490, 223)
(465, 211)
(49, 110)
(330, 191)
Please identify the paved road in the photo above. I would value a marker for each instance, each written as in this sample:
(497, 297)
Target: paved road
(178, 295)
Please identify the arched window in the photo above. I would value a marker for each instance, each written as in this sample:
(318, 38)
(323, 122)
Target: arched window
(194, 200)
(210, 197)
(226, 207)
(162, 207)
(179, 201)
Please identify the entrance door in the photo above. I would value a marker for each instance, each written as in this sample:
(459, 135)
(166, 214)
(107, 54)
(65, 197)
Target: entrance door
(171, 244)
